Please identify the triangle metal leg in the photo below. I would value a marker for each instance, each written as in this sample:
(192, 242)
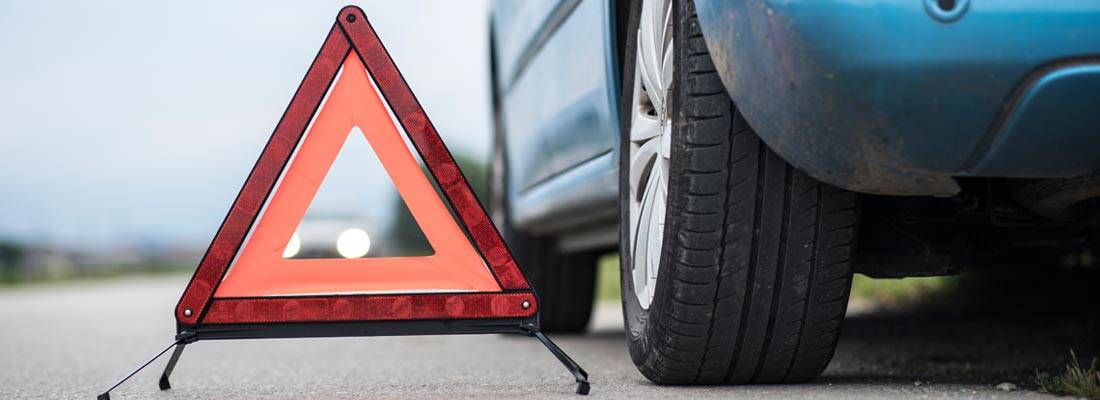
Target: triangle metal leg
(579, 373)
(106, 395)
(164, 383)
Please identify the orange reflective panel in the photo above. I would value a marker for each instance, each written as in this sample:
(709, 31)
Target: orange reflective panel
(261, 270)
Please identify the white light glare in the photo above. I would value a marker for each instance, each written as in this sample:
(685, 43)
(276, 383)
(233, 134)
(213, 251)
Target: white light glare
(353, 243)
(293, 246)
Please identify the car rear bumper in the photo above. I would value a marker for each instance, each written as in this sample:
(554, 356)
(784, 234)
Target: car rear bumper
(898, 97)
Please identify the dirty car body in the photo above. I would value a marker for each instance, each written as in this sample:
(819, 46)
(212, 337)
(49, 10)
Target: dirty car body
(901, 97)
(883, 97)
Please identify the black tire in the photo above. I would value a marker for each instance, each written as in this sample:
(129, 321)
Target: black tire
(564, 282)
(755, 266)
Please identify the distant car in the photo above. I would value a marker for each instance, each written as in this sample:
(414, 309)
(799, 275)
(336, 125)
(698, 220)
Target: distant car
(746, 156)
(331, 237)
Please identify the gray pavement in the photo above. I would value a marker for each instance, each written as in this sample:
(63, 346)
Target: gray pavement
(70, 340)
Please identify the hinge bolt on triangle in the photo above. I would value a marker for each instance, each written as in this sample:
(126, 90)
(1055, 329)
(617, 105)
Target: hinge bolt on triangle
(526, 304)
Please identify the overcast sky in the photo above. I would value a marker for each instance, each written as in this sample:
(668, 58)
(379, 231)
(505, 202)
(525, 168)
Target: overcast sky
(140, 120)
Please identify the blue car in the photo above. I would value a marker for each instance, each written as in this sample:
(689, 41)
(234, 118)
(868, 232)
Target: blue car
(746, 157)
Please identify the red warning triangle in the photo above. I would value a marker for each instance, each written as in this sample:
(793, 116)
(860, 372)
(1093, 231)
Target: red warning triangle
(247, 288)
(244, 278)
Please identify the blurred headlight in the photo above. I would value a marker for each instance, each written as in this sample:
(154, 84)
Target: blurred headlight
(293, 246)
(353, 243)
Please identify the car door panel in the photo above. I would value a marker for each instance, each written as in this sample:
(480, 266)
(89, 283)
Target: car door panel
(557, 113)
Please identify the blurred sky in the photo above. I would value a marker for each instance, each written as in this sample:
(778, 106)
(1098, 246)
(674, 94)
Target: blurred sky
(127, 121)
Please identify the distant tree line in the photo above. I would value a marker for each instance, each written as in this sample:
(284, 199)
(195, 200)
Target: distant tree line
(11, 256)
(407, 237)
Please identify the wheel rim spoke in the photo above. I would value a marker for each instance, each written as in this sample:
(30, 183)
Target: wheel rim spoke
(641, 244)
(640, 164)
(643, 127)
(654, 53)
(650, 146)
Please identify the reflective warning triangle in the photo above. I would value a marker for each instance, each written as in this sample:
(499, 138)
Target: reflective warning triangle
(246, 287)
(244, 279)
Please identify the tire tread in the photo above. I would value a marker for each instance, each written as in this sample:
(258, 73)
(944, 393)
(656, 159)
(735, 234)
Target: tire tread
(757, 254)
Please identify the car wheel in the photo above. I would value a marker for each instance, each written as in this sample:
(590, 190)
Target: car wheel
(735, 266)
(563, 282)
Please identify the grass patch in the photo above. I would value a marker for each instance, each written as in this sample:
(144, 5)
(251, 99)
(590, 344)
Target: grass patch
(1074, 381)
(878, 291)
(896, 292)
(607, 278)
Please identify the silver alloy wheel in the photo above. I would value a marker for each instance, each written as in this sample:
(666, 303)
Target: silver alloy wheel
(650, 144)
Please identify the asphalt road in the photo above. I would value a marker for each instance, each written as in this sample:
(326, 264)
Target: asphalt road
(71, 340)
